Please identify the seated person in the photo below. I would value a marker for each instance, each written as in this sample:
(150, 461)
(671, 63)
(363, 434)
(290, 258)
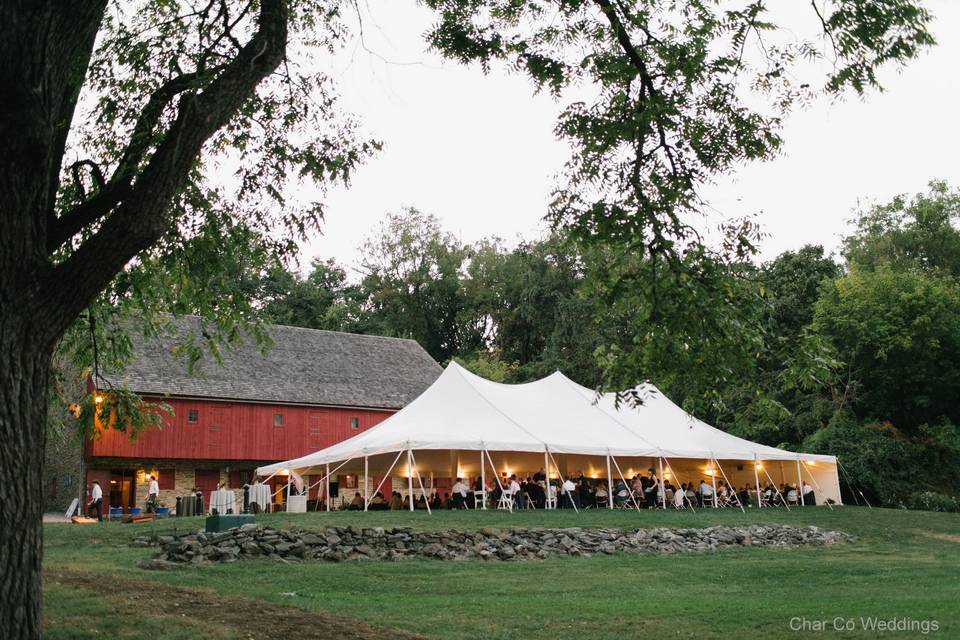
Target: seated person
(706, 492)
(435, 502)
(601, 494)
(680, 496)
(396, 501)
(377, 502)
(519, 500)
(357, 503)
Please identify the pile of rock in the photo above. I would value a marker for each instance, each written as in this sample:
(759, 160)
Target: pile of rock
(351, 543)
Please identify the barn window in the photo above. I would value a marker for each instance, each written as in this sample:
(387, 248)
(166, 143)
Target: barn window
(278, 419)
(354, 423)
(193, 415)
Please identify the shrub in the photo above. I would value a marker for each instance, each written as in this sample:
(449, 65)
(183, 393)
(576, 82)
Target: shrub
(933, 501)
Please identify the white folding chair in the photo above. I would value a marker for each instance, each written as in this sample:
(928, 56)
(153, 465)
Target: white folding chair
(506, 501)
(708, 500)
(477, 499)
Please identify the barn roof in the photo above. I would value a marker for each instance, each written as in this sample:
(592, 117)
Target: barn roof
(303, 366)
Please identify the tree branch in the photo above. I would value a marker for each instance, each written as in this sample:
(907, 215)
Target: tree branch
(142, 218)
(110, 195)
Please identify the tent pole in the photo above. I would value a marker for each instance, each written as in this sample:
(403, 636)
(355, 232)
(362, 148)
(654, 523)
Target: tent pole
(389, 471)
(627, 484)
(817, 485)
(423, 491)
(559, 475)
(663, 493)
(713, 480)
(609, 483)
(728, 484)
(326, 495)
(495, 476)
(366, 482)
(546, 471)
(803, 502)
(483, 479)
(780, 495)
(756, 480)
(677, 478)
(410, 474)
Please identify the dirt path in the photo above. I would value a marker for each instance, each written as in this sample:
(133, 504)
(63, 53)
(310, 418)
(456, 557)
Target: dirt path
(246, 616)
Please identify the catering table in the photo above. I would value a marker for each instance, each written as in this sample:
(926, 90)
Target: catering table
(223, 501)
(297, 504)
(259, 493)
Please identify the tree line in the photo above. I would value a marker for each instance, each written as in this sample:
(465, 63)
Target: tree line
(854, 355)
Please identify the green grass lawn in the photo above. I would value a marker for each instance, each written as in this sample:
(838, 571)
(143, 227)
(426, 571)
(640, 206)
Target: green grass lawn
(904, 564)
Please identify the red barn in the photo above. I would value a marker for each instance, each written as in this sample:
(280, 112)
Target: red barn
(309, 390)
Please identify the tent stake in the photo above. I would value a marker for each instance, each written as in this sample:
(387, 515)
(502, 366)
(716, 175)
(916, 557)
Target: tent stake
(756, 480)
(609, 483)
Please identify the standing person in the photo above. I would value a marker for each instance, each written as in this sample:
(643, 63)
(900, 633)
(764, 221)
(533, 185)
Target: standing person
(519, 500)
(153, 493)
(809, 497)
(96, 500)
(459, 494)
(569, 490)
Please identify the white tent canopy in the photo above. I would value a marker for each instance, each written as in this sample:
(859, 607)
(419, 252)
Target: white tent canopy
(462, 411)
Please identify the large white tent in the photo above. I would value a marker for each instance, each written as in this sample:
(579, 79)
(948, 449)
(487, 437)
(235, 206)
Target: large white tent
(464, 425)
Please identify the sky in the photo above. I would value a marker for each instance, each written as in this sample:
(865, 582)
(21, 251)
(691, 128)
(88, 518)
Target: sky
(478, 151)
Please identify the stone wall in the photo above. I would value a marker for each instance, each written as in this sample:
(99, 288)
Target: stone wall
(349, 543)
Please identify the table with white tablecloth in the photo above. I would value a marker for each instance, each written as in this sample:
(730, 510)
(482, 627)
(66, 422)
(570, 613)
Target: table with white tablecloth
(223, 500)
(260, 494)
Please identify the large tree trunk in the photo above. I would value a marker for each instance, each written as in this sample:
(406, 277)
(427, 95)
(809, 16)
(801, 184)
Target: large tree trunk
(24, 367)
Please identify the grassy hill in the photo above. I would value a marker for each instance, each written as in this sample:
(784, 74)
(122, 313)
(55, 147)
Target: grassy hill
(903, 564)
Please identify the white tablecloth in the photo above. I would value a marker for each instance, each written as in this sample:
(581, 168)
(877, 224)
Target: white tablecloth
(297, 504)
(222, 500)
(259, 493)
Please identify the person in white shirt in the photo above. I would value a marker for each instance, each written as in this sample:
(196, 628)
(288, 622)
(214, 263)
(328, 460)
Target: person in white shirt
(153, 493)
(519, 500)
(808, 495)
(459, 494)
(679, 496)
(96, 500)
(706, 492)
(569, 489)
